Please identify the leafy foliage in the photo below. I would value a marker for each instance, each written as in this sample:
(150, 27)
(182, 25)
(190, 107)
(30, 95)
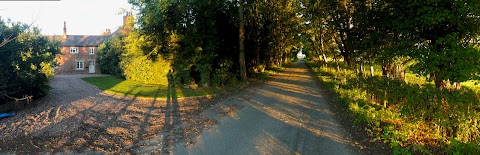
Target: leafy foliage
(444, 32)
(200, 38)
(26, 61)
(411, 117)
(108, 56)
(143, 67)
(440, 37)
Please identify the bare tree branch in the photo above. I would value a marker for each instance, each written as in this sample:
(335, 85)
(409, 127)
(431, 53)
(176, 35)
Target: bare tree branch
(29, 98)
(9, 39)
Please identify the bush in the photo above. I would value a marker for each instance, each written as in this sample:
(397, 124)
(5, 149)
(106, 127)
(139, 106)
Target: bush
(222, 75)
(142, 62)
(26, 61)
(145, 70)
(108, 56)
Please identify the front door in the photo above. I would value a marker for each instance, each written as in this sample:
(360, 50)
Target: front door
(91, 67)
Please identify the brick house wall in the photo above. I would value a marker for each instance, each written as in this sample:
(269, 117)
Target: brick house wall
(68, 62)
(81, 60)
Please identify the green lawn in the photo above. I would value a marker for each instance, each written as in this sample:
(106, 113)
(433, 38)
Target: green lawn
(120, 86)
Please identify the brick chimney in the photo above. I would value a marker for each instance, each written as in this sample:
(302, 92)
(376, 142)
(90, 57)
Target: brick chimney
(125, 17)
(64, 29)
(107, 32)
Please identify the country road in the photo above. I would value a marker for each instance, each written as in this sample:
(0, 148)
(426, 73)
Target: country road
(289, 114)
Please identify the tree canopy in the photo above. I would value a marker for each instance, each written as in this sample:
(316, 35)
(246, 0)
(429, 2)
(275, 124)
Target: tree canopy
(441, 37)
(200, 39)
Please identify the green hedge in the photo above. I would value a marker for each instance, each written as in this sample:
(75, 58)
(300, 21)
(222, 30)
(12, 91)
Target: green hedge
(145, 70)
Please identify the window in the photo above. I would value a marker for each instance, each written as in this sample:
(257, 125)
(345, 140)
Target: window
(73, 49)
(91, 50)
(79, 65)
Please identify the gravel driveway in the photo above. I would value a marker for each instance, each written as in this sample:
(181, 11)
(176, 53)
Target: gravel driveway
(78, 117)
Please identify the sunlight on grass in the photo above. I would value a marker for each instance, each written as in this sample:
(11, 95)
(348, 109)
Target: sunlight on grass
(412, 116)
(120, 86)
(472, 84)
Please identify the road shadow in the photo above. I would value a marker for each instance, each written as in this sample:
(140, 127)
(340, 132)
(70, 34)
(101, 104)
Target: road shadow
(171, 116)
(289, 114)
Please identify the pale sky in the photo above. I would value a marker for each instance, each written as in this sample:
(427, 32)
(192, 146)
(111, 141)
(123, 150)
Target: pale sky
(83, 17)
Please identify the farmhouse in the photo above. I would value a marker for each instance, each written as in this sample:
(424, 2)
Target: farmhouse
(79, 52)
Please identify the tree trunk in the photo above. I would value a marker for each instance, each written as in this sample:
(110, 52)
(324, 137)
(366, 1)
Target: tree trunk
(457, 85)
(324, 57)
(386, 69)
(397, 72)
(343, 49)
(322, 48)
(372, 71)
(243, 68)
(439, 83)
(336, 62)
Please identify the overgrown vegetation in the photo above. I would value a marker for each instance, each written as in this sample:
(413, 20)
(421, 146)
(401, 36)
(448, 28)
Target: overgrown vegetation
(26, 62)
(412, 116)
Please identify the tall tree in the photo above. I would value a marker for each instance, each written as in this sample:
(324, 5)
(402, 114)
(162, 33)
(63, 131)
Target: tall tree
(444, 34)
(241, 35)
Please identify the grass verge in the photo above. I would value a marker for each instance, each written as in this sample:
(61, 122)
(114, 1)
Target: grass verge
(121, 86)
(413, 116)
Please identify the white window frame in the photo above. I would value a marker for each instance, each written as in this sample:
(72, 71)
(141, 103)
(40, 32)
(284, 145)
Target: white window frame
(91, 50)
(73, 49)
(79, 65)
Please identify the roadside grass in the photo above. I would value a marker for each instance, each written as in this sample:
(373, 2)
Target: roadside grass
(413, 116)
(268, 72)
(119, 86)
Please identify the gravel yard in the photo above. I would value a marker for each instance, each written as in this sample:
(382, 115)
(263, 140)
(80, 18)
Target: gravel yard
(78, 117)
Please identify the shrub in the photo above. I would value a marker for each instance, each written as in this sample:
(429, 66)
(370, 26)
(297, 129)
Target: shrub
(222, 75)
(108, 56)
(145, 70)
(26, 62)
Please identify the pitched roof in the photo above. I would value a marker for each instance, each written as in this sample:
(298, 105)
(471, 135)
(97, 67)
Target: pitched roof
(121, 31)
(81, 40)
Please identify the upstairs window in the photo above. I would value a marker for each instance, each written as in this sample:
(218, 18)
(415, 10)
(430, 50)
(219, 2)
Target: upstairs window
(73, 49)
(91, 50)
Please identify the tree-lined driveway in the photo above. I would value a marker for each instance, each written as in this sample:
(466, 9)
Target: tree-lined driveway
(288, 115)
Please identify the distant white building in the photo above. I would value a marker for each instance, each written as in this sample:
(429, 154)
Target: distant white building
(300, 55)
